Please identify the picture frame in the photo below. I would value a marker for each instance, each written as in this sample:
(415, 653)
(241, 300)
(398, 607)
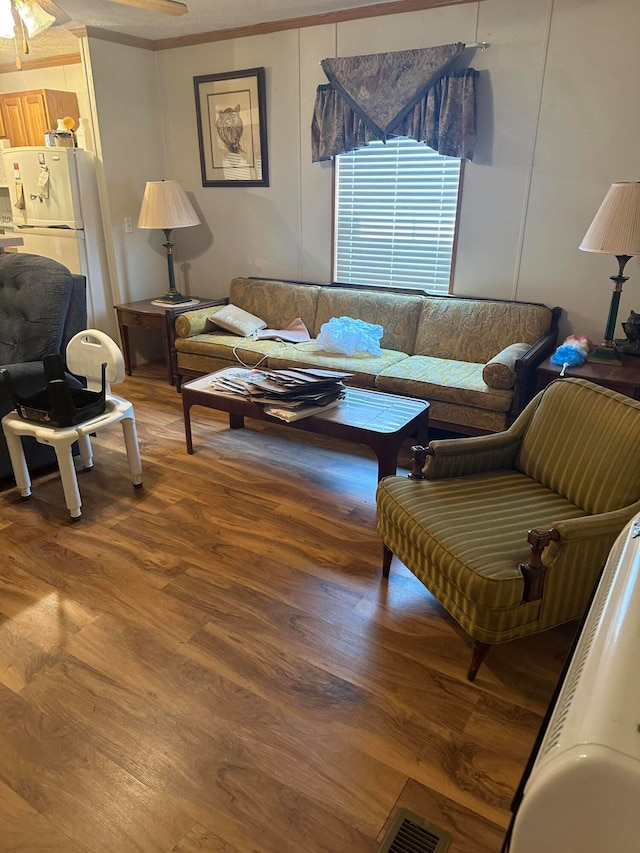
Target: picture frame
(232, 128)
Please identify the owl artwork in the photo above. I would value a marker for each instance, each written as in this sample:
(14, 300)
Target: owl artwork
(229, 127)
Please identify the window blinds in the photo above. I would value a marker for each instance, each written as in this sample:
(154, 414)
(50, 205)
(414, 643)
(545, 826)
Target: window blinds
(395, 216)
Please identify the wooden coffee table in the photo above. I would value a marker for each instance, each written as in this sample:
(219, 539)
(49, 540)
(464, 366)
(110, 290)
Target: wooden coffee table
(380, 421)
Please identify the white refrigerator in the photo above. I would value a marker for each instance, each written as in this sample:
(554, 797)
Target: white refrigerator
(55, 208)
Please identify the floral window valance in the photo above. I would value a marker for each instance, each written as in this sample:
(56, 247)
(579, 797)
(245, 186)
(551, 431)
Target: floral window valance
(406, 93)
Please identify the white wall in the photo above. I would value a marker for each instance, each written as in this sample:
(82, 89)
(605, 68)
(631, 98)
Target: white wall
(587, 138)
(128, 129)
(247, 231)
(129, 144)
(559, 117)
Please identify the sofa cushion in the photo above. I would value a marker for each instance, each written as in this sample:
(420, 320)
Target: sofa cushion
(221, 345)
(364, 367)
(276, 302)
(499, 371)
(397, 313)
(475, 330)
(443, 379)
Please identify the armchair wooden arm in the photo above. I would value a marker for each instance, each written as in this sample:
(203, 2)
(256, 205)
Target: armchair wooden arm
(418, 461)
(534, 571)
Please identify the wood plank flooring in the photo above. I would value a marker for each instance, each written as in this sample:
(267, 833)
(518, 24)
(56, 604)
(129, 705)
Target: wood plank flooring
(212, 662)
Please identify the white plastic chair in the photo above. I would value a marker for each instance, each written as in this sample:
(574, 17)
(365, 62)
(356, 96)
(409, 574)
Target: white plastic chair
(85, 355)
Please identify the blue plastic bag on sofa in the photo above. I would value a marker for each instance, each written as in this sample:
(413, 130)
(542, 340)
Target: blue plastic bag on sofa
(348, 336)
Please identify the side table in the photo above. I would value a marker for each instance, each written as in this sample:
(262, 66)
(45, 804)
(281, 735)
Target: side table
(159, 318)
(623, 378)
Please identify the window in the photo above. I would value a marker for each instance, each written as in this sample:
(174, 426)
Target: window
(395, 215)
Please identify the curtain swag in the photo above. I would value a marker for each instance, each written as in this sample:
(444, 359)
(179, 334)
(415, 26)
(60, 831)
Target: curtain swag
(406, 93)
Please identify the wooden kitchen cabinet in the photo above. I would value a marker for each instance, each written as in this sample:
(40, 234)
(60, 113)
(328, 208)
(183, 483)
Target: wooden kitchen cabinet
(27, 115)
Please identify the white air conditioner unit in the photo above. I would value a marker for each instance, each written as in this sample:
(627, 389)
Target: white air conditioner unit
(582, 792)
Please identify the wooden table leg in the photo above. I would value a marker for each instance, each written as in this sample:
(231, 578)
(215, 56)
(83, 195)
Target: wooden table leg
(423, 428)
(167, 354)
(186, 410)
(236, 421)
(124, 337)
(387, 453)
(387, 447)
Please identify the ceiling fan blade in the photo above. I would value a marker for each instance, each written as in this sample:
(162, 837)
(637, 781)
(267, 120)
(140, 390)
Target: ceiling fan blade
(55, 10)
(166, 7)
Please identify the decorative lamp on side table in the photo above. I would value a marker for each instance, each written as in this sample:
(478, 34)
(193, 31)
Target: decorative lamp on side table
(615, 230)
(165, 206)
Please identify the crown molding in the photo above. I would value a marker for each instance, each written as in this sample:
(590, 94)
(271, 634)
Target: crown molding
(390, 8)
(110, 35)
(395, 7)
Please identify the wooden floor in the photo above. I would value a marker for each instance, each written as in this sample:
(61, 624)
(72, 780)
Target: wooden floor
(212, 662)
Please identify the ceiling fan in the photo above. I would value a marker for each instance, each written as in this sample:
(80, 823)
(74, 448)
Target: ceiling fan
(21, 20)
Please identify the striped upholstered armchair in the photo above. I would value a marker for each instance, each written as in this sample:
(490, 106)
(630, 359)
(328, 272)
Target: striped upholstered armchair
(509, 531)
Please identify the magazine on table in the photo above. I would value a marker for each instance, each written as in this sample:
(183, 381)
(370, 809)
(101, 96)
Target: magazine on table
(290, 415)
(298, 390)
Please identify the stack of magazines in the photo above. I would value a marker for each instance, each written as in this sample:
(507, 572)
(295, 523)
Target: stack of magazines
(286, 394)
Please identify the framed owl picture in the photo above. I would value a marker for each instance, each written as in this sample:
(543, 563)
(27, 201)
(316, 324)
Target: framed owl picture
(232, 128)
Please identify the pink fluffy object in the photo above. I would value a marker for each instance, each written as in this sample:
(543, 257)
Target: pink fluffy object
(580, 342)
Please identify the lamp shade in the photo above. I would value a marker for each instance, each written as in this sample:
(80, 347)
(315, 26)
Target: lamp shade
(34, 17)
(165, 205)
(615, 229)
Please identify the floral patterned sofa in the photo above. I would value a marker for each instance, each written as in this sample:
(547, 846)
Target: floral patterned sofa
(474, 360)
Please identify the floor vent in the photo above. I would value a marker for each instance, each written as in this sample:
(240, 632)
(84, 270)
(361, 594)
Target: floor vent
(410, 833)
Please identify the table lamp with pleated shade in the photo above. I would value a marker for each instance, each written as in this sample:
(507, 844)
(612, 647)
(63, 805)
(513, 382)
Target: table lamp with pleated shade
(165, 206)
(615, 230)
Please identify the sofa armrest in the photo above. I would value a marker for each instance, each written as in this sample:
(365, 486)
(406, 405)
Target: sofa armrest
(524, 387)
(195, 322)
(456, 457)
(499, 372)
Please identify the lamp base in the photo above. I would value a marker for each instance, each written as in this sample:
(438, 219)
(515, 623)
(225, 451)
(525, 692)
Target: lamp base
(604, 354)
(172, 297)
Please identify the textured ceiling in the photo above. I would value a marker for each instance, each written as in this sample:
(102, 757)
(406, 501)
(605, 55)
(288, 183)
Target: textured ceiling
(203, 16)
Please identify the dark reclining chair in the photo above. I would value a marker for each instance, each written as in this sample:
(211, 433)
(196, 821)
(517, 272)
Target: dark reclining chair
(42, 306)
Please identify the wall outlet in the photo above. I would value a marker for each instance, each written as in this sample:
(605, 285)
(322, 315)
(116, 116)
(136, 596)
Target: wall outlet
(128, 225)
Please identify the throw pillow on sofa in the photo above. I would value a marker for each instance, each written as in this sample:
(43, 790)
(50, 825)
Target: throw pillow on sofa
(237, 320)
(499, 371)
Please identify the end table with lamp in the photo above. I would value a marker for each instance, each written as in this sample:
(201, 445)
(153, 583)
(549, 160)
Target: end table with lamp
(615, 230)
(148, 314)
(165, 206)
